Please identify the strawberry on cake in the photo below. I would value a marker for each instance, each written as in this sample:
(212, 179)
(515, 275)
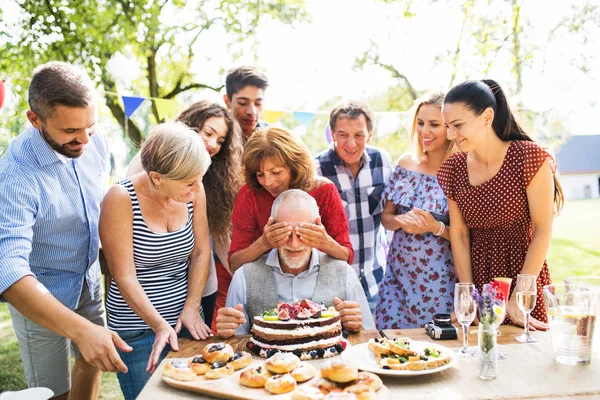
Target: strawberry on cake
(304, 328)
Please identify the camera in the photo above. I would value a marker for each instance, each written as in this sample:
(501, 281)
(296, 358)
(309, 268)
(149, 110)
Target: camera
(441, 328)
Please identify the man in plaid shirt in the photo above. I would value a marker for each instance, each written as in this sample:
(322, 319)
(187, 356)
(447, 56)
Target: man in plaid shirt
(360, 173)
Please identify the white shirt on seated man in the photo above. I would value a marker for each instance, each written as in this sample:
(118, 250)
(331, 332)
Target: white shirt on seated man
(298, 274)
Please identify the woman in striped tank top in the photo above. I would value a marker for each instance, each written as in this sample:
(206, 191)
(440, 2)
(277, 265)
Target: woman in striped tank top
(222, 138)
(154, 232)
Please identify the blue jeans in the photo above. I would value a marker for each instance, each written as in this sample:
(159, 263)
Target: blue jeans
(141, 341)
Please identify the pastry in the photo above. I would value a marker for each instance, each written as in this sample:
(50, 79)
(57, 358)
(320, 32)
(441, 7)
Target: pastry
(198, 365)
(278, 384)
(219, 370)
(217, 352)
(255, 377)
(339, 371)
(303, 372)
(281, 363)
(178, 370)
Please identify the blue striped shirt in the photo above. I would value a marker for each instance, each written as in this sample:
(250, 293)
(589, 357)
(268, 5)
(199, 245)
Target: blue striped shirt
(49, 219)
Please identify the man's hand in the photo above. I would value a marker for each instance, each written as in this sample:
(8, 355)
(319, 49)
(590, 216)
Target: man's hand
(191, 319)
(275, 234)
(229, 319)
(164, 335)
(97, 345)
(350, 314)
(314, 235)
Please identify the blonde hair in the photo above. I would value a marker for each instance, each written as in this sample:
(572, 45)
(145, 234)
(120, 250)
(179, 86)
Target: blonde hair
(175, 151)
(283, 148)
(432, 99)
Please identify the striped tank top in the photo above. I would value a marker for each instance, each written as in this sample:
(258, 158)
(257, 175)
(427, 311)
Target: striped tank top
(161, 263)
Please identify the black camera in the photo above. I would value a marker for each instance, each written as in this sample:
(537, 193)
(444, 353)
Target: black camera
(441, 328)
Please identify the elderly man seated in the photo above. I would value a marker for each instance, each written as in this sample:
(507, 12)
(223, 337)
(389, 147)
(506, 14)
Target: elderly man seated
(293, 272)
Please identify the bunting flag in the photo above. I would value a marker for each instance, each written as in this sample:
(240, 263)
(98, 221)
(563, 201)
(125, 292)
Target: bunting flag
(1, 94)
(305, 118)
(131, 104)
(166, 108)
(271, 117)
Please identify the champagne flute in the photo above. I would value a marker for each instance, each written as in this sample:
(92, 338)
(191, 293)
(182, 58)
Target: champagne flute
(499, 321)
(526, 297)
(464, 309)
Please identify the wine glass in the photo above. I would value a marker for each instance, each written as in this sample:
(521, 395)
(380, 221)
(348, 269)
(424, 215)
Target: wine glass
(526, 297)
(499, 321)
(464, 309)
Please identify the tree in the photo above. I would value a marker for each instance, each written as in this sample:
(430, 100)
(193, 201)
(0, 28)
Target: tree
(161, 36)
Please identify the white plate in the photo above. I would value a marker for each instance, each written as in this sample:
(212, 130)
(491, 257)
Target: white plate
(366, 361)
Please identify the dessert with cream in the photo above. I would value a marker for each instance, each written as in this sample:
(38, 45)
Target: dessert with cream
(308, 330)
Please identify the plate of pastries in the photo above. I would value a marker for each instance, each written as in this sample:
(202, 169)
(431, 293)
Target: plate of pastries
(400, 357)
(223, 373)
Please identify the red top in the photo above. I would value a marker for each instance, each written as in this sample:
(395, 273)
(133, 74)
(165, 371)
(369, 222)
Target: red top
(253, 209)
(497, 214)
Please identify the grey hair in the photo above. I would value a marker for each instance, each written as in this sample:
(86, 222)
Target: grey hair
(297, 199)
(175, 151)
(59, 84)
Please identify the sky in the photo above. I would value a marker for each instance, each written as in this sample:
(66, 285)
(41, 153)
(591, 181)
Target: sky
(313, 62)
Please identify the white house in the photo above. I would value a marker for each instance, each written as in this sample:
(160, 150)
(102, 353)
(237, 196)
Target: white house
(579, 167)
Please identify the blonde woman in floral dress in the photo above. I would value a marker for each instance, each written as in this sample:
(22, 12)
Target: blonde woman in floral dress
(420, 276)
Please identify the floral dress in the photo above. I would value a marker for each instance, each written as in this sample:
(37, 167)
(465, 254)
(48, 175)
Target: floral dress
(420, 275)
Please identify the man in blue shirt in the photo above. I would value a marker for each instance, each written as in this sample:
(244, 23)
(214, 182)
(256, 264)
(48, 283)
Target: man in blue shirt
(293, 272)
(50, 191)
(360, 173)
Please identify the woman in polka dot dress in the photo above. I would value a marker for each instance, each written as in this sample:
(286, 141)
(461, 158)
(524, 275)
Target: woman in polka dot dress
(501, 192)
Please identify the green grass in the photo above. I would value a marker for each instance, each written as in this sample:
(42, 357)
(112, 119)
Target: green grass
(575, 250)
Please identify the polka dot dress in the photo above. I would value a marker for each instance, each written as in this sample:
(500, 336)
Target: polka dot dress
(497, 214)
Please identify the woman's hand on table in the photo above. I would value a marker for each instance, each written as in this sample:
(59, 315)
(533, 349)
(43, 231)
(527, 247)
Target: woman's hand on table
(192, 320)
(275, 234)
(165, 334)
(350, 314)
(516, 316)
(229, 319)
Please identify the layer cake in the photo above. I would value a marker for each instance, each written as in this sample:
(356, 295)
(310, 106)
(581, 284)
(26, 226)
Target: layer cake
(304, 328)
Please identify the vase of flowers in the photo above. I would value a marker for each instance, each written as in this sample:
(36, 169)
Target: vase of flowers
(489, 306)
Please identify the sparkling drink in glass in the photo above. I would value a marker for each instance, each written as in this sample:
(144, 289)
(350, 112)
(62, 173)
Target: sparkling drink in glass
(572, 318)
(526, 298)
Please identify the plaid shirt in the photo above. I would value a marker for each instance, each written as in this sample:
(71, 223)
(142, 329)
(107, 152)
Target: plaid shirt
(364, 202)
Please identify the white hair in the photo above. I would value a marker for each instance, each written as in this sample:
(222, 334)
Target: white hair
(297, 199)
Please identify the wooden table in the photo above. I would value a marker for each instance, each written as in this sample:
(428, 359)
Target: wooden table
(528, 372)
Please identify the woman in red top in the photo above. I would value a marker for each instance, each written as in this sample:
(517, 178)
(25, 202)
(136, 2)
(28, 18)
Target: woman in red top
(275, 161)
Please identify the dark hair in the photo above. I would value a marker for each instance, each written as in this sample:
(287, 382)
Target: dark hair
(223, 179)
(487, 93)
(246, 75)
(351, 109)
(281, 146)
(59, 84)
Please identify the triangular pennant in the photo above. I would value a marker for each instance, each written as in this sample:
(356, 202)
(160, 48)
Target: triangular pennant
(166, 108)
(271, 117)
(305, 118)
(131, 104)
(328, 134)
